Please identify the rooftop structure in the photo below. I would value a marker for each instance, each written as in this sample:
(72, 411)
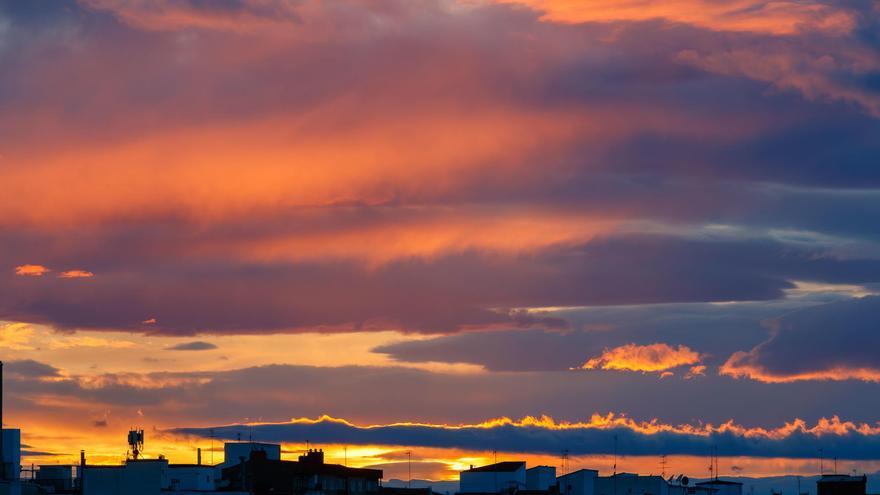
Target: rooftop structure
(501, 477)
(309, 475)
(841, 484)
(580, 482)
(541, 478)
(631, 484)
(721, 487)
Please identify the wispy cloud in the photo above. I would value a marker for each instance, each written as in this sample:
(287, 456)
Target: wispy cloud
(76, 274)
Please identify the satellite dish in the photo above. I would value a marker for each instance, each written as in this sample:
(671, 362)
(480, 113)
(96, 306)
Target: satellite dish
(685, 480)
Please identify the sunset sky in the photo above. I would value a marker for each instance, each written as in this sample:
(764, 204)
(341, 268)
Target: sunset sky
(445, 226)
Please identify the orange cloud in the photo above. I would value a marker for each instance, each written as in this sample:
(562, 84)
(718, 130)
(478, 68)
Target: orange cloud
(695, 371)
(31, 270)
(645, 358)
(777, 17)
(169, 15)
(743, 365)
(76, 274)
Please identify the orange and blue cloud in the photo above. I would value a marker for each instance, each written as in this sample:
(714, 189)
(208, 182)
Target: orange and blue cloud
(494, 192)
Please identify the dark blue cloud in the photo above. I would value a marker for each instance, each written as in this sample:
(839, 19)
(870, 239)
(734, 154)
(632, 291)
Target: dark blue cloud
(577, 441)
(836, 341)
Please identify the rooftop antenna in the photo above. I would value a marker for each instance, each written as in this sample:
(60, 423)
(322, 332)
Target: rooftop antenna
(212, 445)
(711, 465)
(716, 463)
(495, 469)
(821, 463)
(136, 442)
(663, 465)
(835, 465)
(409, 468)
(345, 454)
(614, 467)
(564, 462)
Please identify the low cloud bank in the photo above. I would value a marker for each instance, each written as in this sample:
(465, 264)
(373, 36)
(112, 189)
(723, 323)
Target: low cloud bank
(796, 439)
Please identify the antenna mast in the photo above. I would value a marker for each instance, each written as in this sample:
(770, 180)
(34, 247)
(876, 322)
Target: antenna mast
(716, 463)
(614, 467)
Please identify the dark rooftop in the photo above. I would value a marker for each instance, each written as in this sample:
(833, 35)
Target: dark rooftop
(500, 467)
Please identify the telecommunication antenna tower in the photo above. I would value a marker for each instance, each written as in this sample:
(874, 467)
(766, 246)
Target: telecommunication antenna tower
(136, 443)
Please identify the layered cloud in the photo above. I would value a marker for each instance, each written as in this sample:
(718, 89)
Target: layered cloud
(774, 17)
(830, 342)
(533, 183)
(395, 163)
(450, 293)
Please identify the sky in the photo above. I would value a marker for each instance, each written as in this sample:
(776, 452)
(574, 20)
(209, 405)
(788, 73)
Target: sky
(467, 229)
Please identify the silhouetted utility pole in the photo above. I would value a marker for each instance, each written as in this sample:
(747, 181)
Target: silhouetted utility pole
(614, 468)
(409, 468)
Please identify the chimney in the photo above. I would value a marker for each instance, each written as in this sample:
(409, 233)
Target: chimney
(82, 471)
(199, 456)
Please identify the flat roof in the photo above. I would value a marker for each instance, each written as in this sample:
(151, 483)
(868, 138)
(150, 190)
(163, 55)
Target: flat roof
(500, 467)
(841, 477)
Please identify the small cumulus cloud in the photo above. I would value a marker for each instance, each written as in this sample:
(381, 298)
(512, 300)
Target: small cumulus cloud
(695, 371)
(76, 274)
(31, 270)
(653, 358)
(197, 345)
